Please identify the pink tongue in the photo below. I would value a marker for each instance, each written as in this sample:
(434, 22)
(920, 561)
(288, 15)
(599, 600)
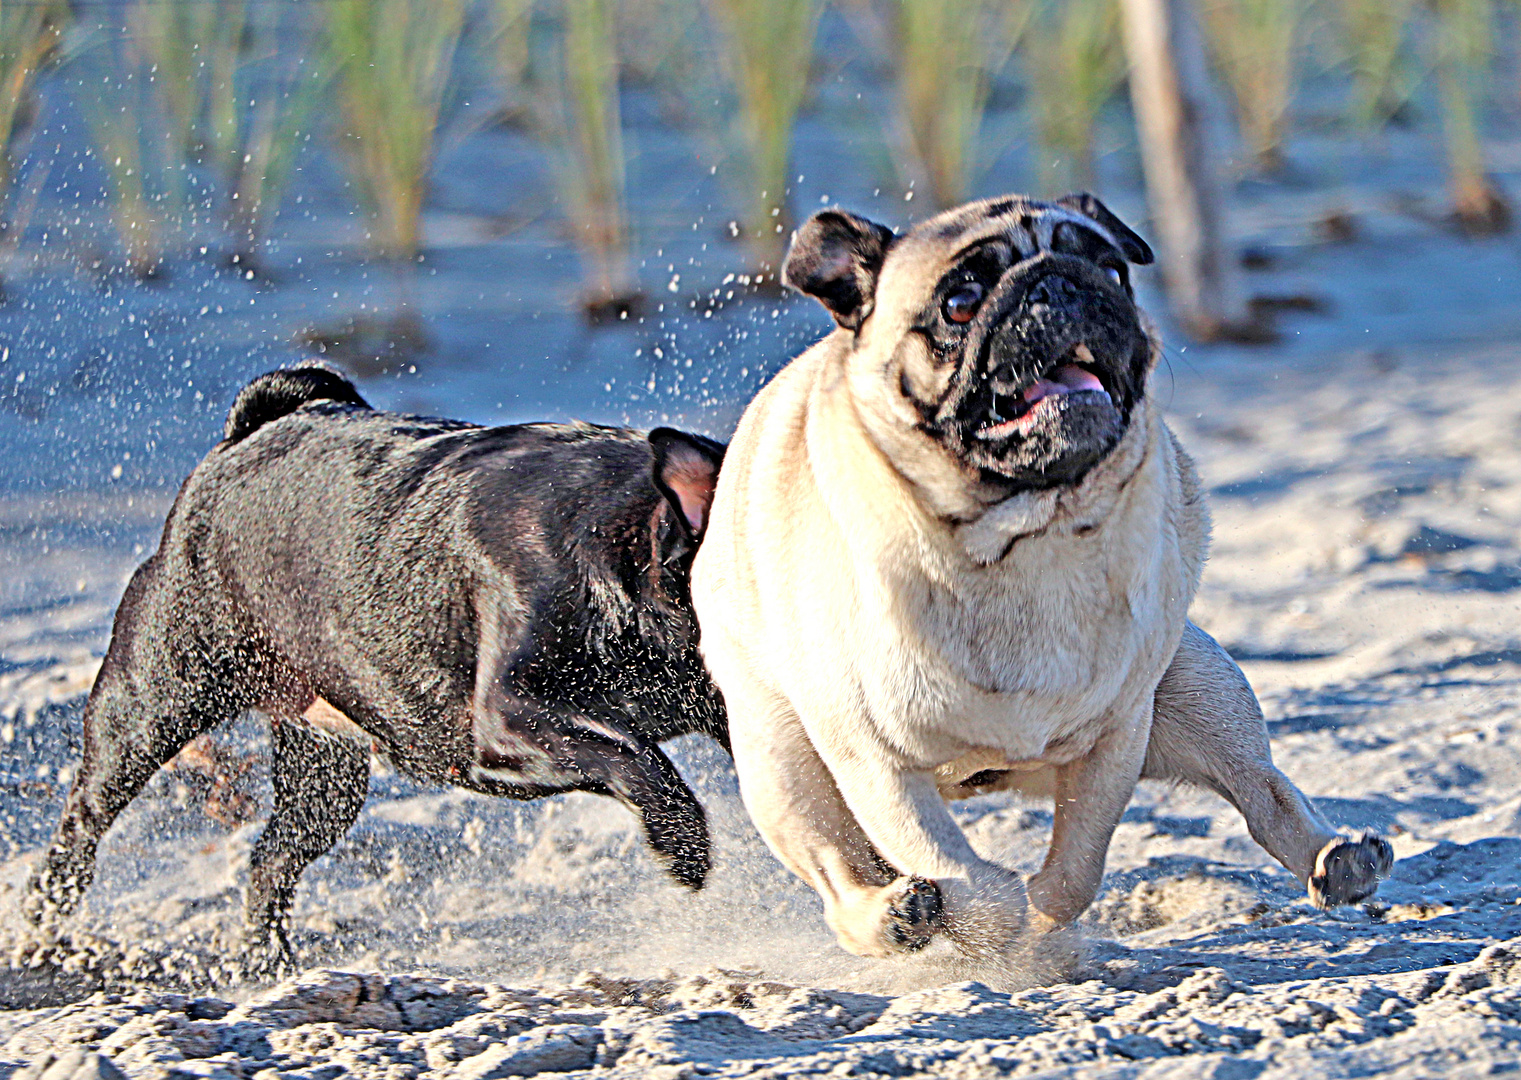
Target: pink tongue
(1069, 380)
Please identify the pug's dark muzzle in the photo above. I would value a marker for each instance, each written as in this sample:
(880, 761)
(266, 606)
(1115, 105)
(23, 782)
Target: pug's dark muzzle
(1052, 368)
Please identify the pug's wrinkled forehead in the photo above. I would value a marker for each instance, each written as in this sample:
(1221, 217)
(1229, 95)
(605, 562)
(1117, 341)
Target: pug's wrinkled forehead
(1031, 226)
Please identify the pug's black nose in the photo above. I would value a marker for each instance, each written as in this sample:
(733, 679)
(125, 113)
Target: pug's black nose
(1053, 291)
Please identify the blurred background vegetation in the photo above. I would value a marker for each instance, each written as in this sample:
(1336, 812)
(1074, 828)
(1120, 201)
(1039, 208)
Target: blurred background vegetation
(199, 110)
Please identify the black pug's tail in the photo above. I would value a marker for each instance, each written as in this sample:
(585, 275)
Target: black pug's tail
(278, 393)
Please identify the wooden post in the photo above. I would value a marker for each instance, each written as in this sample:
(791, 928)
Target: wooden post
(1176, 116)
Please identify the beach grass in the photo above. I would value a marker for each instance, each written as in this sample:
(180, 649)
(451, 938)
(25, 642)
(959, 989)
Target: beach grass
(559, 72)
(391, 61)
(944, 68)
(1075, 61)
(1464, 47)
(257, 144)
(1377, 41)
(192, 50)
(592, 166)
(29, 36)
(134, 142)
(767, 48)
(235, 85)
(511, 39)
(1255, 45)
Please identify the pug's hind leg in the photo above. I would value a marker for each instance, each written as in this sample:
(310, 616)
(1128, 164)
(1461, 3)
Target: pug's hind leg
(1208, 730)
(320, 783)
(792, 799)
(1091, 795)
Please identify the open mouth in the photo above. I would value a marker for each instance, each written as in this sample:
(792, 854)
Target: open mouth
(1073, 374)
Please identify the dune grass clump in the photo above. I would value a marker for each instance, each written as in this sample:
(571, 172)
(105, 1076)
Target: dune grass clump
(664, 46)
(1254, 44)
(578, 115)
(29, 35)
(1075, 58)
(944, 61)
(192, 48)
(1464, 52)
(768, 50)
(511, 37)
(236, 87)
(1377, 45)
(29, 39)
(133, 143)
(391, 60)
(257, 146)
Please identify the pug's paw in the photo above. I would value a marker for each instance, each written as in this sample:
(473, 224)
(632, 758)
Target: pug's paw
(887, 920)
(265, 955)
(56, 888)
(1348, 870)
(914, 914)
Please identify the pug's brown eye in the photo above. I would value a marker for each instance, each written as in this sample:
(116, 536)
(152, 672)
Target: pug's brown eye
(962, 304)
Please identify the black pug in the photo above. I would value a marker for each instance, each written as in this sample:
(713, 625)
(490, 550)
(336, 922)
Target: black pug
(504, 609)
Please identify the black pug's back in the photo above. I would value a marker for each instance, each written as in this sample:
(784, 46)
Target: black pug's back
(506, 609)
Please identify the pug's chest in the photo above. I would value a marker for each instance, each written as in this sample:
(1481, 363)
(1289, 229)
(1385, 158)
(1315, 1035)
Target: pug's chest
(1033, 660)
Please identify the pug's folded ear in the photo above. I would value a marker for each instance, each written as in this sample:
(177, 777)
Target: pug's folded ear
(686, 473)
(835, 258)
(1134, 248)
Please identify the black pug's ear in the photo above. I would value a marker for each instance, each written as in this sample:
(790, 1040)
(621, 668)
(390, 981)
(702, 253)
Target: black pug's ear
(1135, 249)
(835, 258)
(686, 472)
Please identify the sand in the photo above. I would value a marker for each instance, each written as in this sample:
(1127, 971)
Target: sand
(1365, 571)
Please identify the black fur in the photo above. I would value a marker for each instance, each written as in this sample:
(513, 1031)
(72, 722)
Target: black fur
(835, 258)
(506, 609)
(278, 393)
(1136, 249)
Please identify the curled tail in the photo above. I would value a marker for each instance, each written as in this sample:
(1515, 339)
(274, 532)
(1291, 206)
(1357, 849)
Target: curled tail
(278, 393)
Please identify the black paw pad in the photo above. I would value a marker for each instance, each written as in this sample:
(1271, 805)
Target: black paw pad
(915, 914)
(1348, 871)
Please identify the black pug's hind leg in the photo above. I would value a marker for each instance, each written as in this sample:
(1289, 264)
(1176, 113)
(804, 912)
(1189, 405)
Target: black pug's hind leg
(527, 746)
(320, 782)
(159, 687)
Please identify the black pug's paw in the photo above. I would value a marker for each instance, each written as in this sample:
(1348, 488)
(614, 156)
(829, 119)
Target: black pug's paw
(56, 888)
(915, 914)
(677, 832)
(687, 858)
(1348, 870)
(265, 956)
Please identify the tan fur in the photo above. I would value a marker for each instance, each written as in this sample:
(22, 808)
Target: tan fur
(883, 632)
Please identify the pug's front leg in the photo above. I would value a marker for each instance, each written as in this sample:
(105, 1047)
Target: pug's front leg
(901, 811)
(792, 799)
(1091, 795)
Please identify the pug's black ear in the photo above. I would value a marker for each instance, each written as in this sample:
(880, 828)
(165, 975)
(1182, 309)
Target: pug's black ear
(1135, 249)
(686, 473)
(835, 258)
